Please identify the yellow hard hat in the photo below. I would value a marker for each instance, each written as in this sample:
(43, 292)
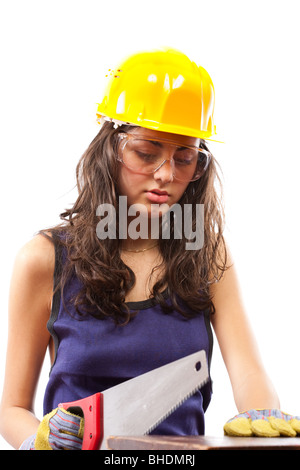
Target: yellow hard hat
(161, 90)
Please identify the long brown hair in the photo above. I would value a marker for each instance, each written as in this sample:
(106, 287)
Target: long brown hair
(105, 278)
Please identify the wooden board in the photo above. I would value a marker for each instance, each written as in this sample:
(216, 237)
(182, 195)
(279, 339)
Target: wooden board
(202, 443)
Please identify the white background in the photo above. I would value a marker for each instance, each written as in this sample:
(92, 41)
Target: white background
(54, 55)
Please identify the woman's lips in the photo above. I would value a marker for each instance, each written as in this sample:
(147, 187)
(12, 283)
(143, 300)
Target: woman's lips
(157, 196)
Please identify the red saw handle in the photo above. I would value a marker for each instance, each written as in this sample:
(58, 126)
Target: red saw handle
(92, 409)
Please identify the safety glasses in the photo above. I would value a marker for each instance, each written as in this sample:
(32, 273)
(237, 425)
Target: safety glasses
(146, 156)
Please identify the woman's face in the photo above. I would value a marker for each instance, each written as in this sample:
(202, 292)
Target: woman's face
(159, 187)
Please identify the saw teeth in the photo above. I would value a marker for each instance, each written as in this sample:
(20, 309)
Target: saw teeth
(175, 407)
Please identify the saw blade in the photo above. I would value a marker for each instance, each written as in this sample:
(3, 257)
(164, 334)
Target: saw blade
(137, 406)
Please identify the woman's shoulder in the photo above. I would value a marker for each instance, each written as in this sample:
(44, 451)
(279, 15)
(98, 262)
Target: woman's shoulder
(33, 273)
(37, 256)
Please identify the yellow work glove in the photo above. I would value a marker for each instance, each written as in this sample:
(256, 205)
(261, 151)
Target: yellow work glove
(60, 430)
(263, 423)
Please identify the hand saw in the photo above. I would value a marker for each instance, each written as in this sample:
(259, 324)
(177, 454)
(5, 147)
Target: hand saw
(137, 406)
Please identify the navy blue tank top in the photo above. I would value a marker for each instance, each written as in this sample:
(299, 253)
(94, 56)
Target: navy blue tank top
(92, 355)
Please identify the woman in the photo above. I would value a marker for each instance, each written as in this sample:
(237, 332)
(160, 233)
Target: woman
(125, 301)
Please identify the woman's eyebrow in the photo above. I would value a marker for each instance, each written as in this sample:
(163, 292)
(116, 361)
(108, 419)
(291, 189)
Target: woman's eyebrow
(154, 142)
(161, 144)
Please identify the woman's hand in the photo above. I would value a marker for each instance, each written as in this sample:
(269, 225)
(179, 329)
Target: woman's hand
(58, 430)
(263, 423)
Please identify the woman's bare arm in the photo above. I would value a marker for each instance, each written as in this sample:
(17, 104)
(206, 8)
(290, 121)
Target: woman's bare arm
(28, 338)
(251, 386)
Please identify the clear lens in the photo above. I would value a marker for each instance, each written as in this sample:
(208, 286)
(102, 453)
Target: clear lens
(145, 156)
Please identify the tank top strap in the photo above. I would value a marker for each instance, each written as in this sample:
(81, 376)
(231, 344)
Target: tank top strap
(56, 299)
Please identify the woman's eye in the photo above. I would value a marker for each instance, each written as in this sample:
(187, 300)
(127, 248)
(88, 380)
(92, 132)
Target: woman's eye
(182, 159)
(146, 156)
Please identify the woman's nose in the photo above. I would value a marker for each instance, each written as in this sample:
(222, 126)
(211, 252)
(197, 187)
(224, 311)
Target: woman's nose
(165, 172)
